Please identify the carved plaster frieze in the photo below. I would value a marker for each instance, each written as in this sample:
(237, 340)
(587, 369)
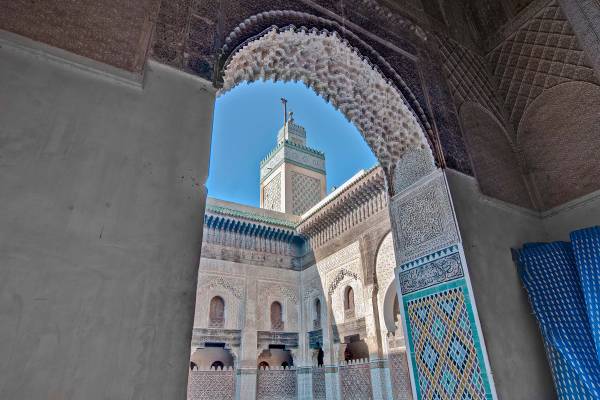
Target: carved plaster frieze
(235, 286)
(340, 277)
(385, 264)
(254, 257)
(442, 266)
(423, 219)
(265, 338)
(339, 258)
(412, 166)
(231, 337)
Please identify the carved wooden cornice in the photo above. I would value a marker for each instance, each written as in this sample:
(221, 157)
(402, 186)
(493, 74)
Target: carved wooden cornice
(352, 206)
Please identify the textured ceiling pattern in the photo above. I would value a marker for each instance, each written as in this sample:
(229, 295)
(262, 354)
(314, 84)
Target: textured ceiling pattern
(468, 76)
(541, 54)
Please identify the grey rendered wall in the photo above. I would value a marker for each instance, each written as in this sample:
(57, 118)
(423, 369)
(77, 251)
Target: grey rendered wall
(581, 213)
(101, 210)
(489, 229)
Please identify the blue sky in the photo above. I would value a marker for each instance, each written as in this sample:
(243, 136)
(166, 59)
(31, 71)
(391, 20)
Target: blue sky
(246, 123)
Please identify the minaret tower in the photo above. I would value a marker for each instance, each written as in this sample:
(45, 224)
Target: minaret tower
(292, 176)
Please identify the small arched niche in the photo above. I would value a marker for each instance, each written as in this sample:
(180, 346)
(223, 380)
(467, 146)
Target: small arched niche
(317, 314)
(216, 313)
(276, 316)
(349, 309)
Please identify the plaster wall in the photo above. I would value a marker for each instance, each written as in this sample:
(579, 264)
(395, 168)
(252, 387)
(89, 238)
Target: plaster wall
(101, 186)
(580, 213)
(489, 229)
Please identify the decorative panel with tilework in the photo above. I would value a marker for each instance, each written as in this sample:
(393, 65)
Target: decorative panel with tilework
(541, 54)
(272, 194)
(355, 382)
(423, 218)
(318, 383)
(211, 385)
(276, 384)
(306, 192)
(400, 375)
(447, 355)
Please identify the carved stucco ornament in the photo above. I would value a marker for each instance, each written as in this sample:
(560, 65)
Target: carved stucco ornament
(333, 69)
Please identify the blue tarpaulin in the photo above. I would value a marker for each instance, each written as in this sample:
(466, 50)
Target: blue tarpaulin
(563, 283)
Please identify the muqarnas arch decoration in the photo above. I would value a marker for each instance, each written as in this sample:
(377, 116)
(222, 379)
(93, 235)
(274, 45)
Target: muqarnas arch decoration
(335, 70)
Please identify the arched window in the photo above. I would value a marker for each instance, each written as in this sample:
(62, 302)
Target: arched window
(317, 320)
(349, 302)
(216, 313)
(285, 364)
(263, 364)
(217, 365)
(276, 316)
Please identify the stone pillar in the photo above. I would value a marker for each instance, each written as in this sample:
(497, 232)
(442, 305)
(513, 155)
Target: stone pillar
(380, 382)
(305, 383)
(331, 358)
(434, 287)
(102, 193)
(302, 356)
(332, 382)
(247, 366)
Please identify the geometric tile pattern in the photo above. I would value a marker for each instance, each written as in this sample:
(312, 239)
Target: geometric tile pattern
(272, 194)
(539, 55)
(276, 384)
(355, 382)
(211, 385)
(400, 375)
(318, 383)
(306, 192)
(550, 275)
(446, 358)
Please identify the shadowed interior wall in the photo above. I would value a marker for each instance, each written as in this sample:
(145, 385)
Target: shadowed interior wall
(495, 163)
(111, 31)
(102, 195)
(559, 135)
(489, 230)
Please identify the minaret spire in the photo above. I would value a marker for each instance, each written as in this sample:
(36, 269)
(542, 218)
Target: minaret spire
(284, 102)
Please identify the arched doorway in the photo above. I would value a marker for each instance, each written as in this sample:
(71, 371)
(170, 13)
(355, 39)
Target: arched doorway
(423, 222)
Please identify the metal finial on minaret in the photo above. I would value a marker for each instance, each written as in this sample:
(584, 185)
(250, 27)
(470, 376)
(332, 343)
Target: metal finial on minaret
(284, 102)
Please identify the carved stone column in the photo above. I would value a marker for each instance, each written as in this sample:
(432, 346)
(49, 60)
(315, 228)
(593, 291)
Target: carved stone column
(435, 291)
(331, 358)
(246, 368)
(380, 376)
